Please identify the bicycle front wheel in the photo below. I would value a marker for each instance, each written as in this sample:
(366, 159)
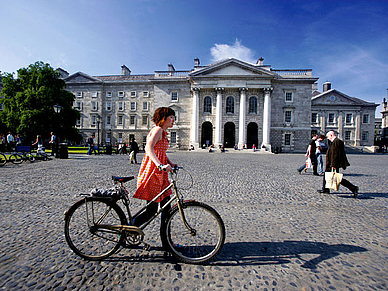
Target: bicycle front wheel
(16, 159)
(88, 228)
(30, 157)
(3, 160)
(200, 244)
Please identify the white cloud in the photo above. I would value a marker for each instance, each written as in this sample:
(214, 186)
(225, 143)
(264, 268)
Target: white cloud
(237, 50)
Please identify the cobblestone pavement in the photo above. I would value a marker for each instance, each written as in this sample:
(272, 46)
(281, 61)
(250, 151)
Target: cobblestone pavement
(281, 233)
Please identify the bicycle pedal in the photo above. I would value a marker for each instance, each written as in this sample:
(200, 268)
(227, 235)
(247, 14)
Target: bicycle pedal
(146, 247)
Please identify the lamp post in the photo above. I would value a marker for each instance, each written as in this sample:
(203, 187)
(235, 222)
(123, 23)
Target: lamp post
(98, 133)
(57, 110)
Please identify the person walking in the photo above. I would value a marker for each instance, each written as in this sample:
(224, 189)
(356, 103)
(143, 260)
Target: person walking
(153, 173)
(91, 145)
(311, 150)
(133, 150)
(335, 159)
(320, 144)
(53, 141)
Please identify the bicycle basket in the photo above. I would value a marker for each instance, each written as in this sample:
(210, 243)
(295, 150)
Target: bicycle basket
(184, 180)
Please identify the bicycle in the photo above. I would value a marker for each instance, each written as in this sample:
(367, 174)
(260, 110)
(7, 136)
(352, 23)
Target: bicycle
(96, 226)
(20, 157)
(3, 159)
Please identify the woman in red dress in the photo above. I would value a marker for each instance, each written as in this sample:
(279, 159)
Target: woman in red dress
(153, 174)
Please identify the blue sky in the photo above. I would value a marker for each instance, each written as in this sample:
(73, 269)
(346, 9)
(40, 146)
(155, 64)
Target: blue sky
(344, 42)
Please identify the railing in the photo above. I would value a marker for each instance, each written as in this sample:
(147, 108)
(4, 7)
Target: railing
(294, 73)
(171, 74)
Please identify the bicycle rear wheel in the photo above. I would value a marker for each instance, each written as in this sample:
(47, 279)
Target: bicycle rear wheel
(85, 232)
(3, 160)
(200, 245)
(16, 159)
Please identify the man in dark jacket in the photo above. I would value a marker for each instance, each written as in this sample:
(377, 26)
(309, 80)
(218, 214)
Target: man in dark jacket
(336, 159)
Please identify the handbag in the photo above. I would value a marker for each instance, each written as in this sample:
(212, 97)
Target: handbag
(333, 180)
(309, 165)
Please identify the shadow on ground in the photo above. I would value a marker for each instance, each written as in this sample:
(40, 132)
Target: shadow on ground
(263, 253)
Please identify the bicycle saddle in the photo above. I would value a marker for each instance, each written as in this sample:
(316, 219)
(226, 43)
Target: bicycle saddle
(122, 179)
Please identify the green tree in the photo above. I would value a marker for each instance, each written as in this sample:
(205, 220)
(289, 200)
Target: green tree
(29, 103)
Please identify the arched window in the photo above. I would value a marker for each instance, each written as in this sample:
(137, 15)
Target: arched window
(230, 104)
(252, 105)
(207, 104)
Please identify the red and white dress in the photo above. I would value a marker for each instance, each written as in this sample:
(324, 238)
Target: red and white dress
(151, 181)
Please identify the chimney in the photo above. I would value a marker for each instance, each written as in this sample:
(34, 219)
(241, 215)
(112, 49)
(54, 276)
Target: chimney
(326, 86)
(125, 71)
(196, 62)
(260, 61)
(171, 68)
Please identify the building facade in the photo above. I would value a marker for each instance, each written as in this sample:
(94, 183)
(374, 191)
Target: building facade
(230, 102)
(352, 118)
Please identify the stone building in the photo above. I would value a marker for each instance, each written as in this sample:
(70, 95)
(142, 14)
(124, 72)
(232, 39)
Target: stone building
(384, 123)
(352, 118)
(229, 102)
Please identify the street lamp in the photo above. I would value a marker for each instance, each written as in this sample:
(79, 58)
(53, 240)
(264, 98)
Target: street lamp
(98, 133)
(57, 110)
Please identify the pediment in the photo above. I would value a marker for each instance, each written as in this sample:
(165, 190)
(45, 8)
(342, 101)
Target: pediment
(232, 67)
(336, 98)
(81, 78)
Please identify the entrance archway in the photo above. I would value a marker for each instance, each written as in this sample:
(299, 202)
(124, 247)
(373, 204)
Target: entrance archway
(207, 133)
(229, 135)
(252, 135)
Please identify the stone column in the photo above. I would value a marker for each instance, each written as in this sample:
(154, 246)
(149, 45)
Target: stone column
(340, 122)
(218, 137)
(241, 125)
(357, 132)
(194, 119)
(267, 118)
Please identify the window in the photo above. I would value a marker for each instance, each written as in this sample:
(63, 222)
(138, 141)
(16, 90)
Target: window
(314, 117)
(133, 94)
(121, 94)
(121, 106)
(174, 96)
(348, 118)
(109, 94)
(207, 104)
(287, 116)
(132, 120)
(348, 135)
(365, 119)
(1, 106)
(108, 137)
(145, 106)
(331, 118)
(78, 122)
(79, 94)
(93, 121)
(120, 139)
(173, 137)
(365, 135)
(252, 105)
(133, 106)
(108, 120)
(94, 94)
(94, 105)
(108, 106)
(287, 139)
(145, 94)
(79, 106)
(288, 96)
(230, 104)
(120, 120)
(145, 119)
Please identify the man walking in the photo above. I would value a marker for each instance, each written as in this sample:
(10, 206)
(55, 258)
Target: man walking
(335, 159)
(311, 154)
